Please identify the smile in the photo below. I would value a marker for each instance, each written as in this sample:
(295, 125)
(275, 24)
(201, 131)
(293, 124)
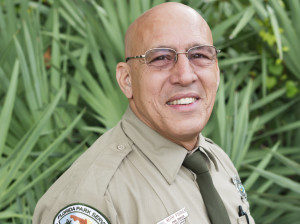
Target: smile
(182, 101)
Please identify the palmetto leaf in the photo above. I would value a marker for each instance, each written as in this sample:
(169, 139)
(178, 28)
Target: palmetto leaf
(280, 180)
(43, 129)
(6, 111)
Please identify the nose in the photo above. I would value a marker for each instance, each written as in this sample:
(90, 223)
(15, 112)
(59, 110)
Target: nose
(182, 72)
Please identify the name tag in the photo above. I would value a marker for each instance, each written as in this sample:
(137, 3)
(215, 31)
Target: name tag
(176, 218)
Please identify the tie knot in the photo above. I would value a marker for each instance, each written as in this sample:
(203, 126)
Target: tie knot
(196, 162)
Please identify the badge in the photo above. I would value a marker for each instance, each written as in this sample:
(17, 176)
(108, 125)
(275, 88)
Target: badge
(176, 218)
(79, 214)
(240, 188)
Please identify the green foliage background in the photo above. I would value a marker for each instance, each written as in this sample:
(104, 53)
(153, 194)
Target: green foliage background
(58, 94)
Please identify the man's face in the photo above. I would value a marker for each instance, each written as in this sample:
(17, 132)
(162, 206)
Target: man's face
(155, 91)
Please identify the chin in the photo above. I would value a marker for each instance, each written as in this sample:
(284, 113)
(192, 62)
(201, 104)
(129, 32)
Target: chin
(187, 130)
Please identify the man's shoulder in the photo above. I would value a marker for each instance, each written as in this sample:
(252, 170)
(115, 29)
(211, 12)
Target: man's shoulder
(214, 147)
(221, 156)
(102, 158)
(87, 179)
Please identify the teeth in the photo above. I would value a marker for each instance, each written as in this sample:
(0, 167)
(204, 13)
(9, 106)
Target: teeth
(182, 101)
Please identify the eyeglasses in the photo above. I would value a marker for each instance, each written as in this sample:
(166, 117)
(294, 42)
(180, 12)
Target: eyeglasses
(165, 58)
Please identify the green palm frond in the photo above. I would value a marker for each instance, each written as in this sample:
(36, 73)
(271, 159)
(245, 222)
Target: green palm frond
(58, 93)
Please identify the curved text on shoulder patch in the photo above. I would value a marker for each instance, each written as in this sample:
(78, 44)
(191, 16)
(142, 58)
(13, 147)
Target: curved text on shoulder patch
(80, 214)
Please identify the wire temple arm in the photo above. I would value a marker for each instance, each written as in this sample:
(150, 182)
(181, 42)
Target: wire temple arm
(139, 56)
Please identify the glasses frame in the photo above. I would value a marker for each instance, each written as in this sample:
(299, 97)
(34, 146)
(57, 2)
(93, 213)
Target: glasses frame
(176, 57)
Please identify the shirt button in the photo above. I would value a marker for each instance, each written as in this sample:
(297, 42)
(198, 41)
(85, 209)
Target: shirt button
(120, 147)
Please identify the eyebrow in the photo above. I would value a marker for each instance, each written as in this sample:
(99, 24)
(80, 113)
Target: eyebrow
(193, 44)
(165, 46)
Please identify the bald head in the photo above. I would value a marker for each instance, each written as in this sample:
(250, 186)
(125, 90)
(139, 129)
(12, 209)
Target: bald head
(145, 28)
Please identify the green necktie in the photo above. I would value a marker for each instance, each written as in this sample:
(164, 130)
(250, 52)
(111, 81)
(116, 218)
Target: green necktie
(215, 208)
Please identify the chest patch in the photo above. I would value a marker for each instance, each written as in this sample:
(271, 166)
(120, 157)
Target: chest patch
(240, 188)
(80, 214)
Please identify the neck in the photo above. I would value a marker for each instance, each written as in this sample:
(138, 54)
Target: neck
(188, 142)
(188, 145)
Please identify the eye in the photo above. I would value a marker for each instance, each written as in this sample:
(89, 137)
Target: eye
(199, 56)
(161, 58)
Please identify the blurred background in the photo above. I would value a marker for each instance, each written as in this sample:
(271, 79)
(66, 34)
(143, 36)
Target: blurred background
(58, 94)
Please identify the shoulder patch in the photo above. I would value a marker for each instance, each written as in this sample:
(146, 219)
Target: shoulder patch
(79, 214)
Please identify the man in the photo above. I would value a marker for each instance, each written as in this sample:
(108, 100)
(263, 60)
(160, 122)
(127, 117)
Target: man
(145, 170)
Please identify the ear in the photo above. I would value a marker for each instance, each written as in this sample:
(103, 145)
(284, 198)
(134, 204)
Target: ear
(124, 79)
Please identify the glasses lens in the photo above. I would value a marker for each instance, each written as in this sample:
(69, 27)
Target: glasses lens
(160, 58)
(202, 55)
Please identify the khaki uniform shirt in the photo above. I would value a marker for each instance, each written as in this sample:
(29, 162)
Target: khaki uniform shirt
(133, 175)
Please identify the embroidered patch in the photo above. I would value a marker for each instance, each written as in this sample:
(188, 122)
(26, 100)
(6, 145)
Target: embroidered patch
(80, 214)
(240, 188)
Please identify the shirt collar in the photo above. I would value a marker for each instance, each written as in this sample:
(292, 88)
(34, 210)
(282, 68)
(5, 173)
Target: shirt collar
(205, 148)
(166, 155)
